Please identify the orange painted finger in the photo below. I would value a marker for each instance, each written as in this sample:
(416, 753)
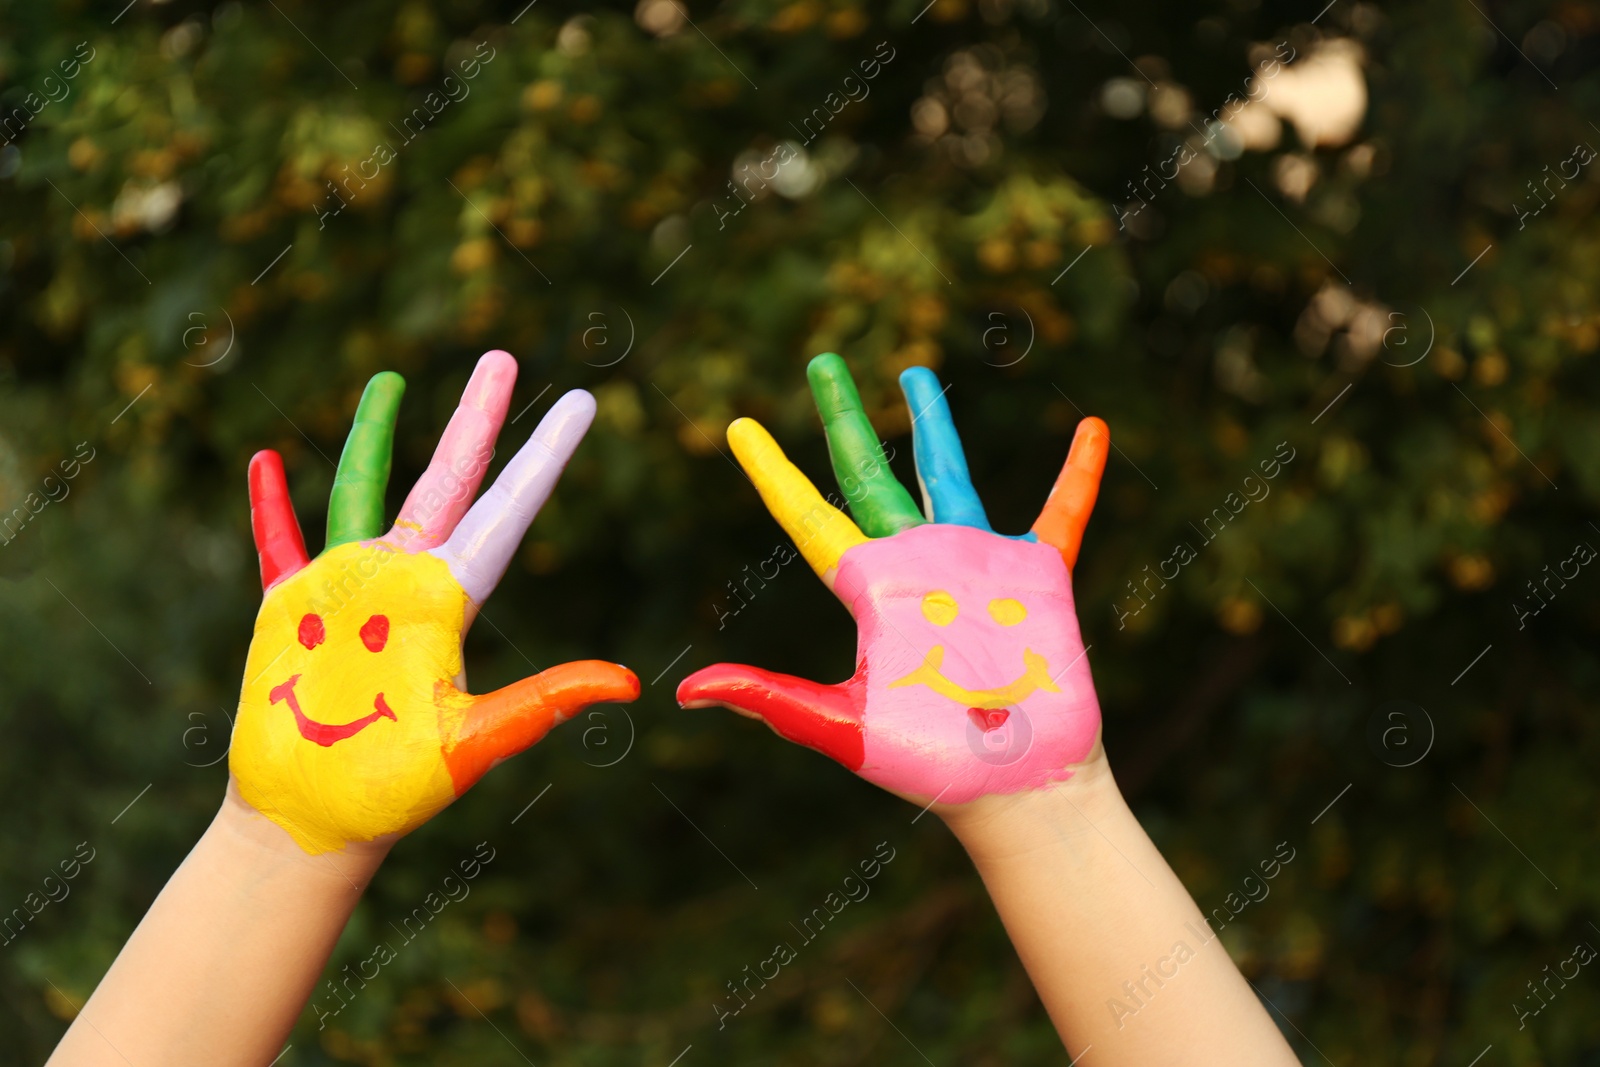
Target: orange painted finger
(1066, 510)
(501, 724)
(279, 542)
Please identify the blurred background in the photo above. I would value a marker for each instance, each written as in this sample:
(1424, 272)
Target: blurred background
(1353, 247)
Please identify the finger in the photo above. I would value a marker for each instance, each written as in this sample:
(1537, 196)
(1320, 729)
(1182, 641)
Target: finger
(1066, 510)
(279, 542)
(445, 490)
(482, 545)
(947, 492)
(824, 717)
(878, 501)
(500, 724)
(820, 531)
(355, 507)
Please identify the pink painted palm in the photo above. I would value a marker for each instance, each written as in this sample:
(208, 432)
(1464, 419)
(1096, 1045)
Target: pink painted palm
(971, 676)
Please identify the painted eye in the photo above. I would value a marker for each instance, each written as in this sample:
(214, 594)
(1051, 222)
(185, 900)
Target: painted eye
(1007, 612)
(939, 608)
(312, 632)
(375, 633)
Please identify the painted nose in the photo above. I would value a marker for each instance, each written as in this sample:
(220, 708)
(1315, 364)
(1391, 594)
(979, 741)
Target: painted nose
(987, 719)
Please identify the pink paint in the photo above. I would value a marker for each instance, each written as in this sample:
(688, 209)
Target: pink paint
(924, 743)
(445, 491)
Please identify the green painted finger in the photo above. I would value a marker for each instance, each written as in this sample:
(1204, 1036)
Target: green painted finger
(355, 508)
(880, 504)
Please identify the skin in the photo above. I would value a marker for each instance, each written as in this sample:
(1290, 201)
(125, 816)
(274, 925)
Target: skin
(354, 728)
(973, 697)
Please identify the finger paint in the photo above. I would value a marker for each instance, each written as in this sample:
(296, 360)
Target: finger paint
(350, 726)
(348, 737)
(279, 543)
(878, 501)
(442, 495)
(947, 491)
(824, 717)
(972, 677)
(926, 678)
(1066, 510)
(820, 531)
(1010, 651)
(355, 507)
(487, 537)
(389, 776)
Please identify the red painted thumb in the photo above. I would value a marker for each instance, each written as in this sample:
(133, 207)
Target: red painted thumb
(827, 718)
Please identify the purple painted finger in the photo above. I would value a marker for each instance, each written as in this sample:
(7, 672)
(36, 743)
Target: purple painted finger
(487, 537)
(445, 490)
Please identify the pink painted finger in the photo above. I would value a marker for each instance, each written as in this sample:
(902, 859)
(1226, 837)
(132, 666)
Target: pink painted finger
(445, 491)
(485, 540)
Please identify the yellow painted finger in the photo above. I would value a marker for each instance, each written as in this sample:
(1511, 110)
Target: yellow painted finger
(821, 531)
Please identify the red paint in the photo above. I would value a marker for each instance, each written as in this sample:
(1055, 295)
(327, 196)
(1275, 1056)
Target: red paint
(375, 633)
(321, 733)
(987, 719)
(312, 632)
(279, 543)
(824, 717)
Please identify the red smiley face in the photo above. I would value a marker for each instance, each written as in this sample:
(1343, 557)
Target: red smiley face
(313, 632)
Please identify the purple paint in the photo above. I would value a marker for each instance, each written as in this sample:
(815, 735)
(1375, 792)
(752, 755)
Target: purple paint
(483, 543)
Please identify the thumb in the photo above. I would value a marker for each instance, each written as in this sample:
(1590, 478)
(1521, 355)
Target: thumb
(500, 724)
(827, 718)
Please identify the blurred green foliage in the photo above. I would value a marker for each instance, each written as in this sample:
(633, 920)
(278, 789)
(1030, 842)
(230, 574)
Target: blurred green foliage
(170, 296)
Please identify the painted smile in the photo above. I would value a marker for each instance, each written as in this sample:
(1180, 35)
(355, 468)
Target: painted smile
(323, 733)
(1035, 676)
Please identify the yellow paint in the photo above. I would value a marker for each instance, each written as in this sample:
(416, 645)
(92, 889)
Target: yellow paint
(939, 608)
(1035, 676)
(390, 777)
(1006, 611)
(821, 531)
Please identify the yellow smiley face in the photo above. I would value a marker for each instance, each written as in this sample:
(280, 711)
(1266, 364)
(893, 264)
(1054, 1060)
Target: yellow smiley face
(941, 609)
(346, 701)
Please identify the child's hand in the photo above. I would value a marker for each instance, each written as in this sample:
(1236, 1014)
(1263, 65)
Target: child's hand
(353, 720)
(971, 678)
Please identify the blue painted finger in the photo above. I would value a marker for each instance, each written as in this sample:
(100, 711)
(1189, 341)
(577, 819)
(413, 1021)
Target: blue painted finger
(947, 492)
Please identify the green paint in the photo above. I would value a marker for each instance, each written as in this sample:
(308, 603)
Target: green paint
(355, 507)
(879, 503)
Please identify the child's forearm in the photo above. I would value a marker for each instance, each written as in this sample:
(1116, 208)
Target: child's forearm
(1116, 948)
(223, 962)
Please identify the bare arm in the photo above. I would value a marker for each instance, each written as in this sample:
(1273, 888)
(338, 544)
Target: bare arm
(1117, 949)
(221, 965)
(353, 728)
(973, 697)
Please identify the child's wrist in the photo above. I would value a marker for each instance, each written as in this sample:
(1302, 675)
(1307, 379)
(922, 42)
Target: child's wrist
(1054, 815)
(263, 848)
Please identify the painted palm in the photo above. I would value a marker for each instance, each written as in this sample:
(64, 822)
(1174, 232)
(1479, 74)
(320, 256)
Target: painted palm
(353, 721)
(970, 676)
